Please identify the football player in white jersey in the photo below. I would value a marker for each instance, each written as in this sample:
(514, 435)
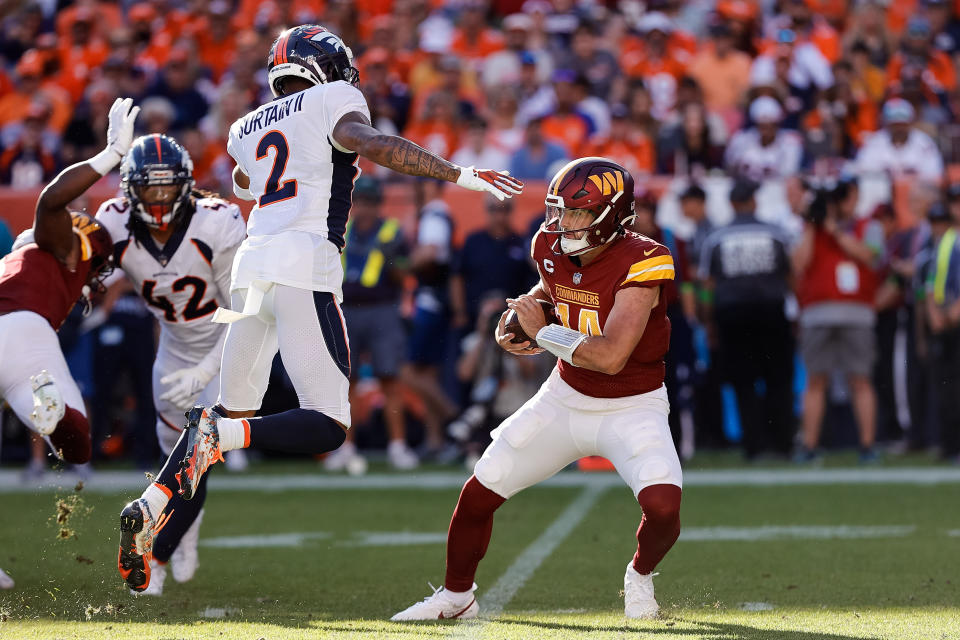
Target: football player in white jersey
(296, 157)
(176, 246)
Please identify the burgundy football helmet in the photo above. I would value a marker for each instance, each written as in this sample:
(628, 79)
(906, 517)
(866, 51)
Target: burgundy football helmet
(96, 246)
(596, 185)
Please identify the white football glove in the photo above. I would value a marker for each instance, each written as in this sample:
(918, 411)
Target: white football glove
(119, 135)
(185, 385)
(499, 183)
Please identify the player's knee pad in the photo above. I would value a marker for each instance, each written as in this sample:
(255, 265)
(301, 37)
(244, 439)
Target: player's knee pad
(660, 502)
(71, 438)
(523, 426)
(494, 466)
(638, 440)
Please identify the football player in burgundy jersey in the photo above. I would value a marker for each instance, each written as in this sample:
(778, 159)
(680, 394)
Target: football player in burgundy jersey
(605, 397)
(53, 266)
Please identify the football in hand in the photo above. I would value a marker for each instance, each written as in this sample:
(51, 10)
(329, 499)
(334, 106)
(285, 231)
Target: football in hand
(512, 323)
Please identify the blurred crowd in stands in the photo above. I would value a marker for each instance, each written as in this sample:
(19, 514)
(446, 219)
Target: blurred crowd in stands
(796, 156)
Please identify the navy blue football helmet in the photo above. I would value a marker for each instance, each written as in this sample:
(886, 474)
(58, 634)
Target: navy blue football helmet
(156, 160)
(312, 53)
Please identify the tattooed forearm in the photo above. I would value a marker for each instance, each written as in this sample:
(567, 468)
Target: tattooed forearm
(407, 157)
(355, 133)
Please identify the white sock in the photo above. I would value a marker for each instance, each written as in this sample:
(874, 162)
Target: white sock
(233, 433)
(156, 499)
(458, 597)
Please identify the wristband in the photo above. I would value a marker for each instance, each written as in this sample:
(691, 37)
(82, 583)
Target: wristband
(243, 194)
(104, 162)
(560, 341)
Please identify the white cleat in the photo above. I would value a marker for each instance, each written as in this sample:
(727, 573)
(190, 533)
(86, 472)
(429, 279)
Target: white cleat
(158, 573)
(442, 605)
(185, 560)
(6, 582)
(639, 602)
(339, 459)
(401, 457)
(48, 407)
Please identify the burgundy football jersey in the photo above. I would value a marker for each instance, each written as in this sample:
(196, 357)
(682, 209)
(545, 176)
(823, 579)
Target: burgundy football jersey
(584, 296)
(32, 279)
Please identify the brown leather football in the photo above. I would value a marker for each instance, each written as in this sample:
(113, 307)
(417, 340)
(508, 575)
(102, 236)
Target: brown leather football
(512, 323)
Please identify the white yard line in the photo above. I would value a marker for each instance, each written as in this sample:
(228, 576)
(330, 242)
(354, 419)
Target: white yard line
(506, 587)
(793, 532)
(116, 481)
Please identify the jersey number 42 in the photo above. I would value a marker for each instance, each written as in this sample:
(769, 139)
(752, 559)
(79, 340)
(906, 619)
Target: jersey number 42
(192, 310)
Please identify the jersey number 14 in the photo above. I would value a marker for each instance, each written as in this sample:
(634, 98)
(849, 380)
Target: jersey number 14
(274, 191)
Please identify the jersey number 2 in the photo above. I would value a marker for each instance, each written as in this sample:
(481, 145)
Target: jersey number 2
(192, 310)
(274, 191)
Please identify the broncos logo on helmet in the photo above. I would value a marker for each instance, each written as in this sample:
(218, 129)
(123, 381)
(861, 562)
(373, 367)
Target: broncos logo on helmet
(312, 53)
(598, 186)
(156, 176)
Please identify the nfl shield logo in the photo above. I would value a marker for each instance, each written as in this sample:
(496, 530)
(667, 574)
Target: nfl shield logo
(577, 277)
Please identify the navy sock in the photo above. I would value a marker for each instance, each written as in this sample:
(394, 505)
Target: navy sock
(296, 431)
(168, 474)
(183, 513)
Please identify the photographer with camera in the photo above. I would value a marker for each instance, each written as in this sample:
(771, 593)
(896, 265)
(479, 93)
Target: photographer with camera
(835, 263)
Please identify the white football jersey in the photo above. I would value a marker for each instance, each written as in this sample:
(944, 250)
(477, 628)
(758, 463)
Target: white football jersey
(302, 182)
(184, 281)
(746, 156)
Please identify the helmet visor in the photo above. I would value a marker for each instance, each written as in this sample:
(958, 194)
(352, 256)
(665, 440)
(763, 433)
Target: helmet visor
(570, 223)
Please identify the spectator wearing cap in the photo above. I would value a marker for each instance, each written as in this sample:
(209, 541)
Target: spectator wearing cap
(375, 264)
(655, 63)
(623, 144)
(535, 97)
(83, 45)
(764, 151)
(387, 97)
(918, 62)
(835, 262)
(538, 157)
(566, 125)
(942, 307)
(900, 149)
(745, 268)
(587, 60)
(722, 71)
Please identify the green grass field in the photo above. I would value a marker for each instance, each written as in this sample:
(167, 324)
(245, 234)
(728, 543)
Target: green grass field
(791, 562)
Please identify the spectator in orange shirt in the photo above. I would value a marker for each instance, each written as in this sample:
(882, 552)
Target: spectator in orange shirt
(152, 39)
(659, 69)
(438, 130)
(814, 28)
(30, 88)
(917, 59)
(472, 40)
(566, 125)
(624, 144)
(722, 71)
(387, 97)
(216, 38)
(741, 16)
(82, 48)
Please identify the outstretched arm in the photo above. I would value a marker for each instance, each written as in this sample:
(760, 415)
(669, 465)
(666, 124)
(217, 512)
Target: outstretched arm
(353, 132)
(52, 226)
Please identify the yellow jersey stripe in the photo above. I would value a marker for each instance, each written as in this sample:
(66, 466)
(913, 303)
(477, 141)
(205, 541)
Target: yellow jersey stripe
(650, 262)
(661, 272)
